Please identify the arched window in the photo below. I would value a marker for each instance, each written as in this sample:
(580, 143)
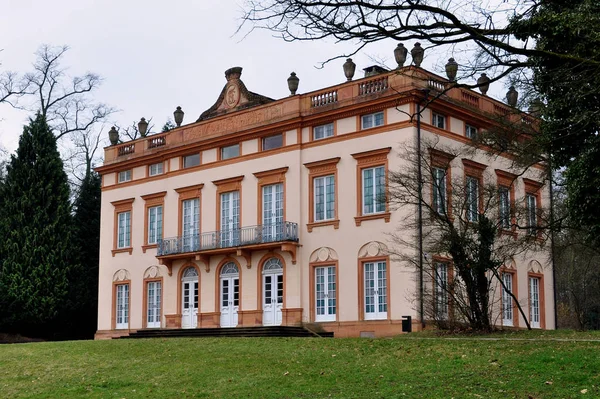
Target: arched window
(229, 268)
(190, 272)
(273, 264)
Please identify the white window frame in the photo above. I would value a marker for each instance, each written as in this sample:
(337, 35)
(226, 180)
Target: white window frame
(531, 213)
(224, 150)
(471, 131)
(323, 131)
(534, 302)
(187, 160)
(122, 294)
(156, 169)
(507, 300)
(155, 219)
(325, 293)
(438, 120)
(441, 291)
(376, 198)
(378, 310)
(504, 204)
(372, 120)
(124, 176)
(440, 198)
(320, 185)
(472, 199)
(124, 229)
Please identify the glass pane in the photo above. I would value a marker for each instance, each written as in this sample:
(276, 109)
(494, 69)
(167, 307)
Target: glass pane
(330, 206)
(230, 151)
(319, 183)
(368, 191)
(191, 160)
(271, 142)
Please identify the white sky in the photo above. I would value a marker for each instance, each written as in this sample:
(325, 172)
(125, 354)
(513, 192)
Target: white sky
(155, 55)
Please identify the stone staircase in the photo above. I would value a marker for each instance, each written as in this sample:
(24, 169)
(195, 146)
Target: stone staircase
(271, 331)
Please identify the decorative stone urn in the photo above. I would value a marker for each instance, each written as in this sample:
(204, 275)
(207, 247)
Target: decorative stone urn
(417, 54)
(484, 83)
(512, 96)
(113, 136)
(178, 115)
(293, 81)
(451, 69)
(535, 108)
(349, 68)
(400, 53)
(143, 127)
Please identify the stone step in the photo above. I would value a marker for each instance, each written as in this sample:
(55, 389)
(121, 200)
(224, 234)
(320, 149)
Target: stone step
(260, 331)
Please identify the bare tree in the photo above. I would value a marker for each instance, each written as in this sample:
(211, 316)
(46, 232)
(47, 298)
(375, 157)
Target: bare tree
(467, 225)
(12, 87)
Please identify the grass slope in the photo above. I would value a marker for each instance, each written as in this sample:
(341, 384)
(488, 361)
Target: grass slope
(302, 368)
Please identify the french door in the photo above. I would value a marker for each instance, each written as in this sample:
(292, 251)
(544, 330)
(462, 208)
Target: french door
(122, 310)
(191, 225)
(272, 292)
(189, 298)
(507, 301)
(230, 295)
(375, 280)
(154, 292)
(230, 219)
(273, 227)
(325, 293)
(534, 302)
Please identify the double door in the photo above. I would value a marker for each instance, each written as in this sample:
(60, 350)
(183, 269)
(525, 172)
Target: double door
(154, 289)
(230, 219)
(189, 312)
(272, 298)
(272, 217)
(230, 299)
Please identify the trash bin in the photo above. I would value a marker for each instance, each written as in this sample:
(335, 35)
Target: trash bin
(406, 323)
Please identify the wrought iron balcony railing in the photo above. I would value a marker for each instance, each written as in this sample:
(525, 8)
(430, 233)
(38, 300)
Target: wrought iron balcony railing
(244, 236)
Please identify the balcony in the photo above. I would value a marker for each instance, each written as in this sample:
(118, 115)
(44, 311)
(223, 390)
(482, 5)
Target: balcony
(240, 242)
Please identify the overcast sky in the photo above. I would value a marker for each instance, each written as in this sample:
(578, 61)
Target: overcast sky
(155, 55)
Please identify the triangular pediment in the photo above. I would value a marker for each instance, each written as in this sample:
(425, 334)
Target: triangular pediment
(234, 96)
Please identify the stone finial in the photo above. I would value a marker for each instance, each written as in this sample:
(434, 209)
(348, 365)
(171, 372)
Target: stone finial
(349, 68)
(233, 73)
(143, 127)
(512, 96)
(483, 83)
(178, 115)
(417, 53)
(113, 136)
(451, 69)
(293, 81)
(400, 53)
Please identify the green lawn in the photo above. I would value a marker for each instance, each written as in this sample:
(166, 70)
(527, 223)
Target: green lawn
(407, 366)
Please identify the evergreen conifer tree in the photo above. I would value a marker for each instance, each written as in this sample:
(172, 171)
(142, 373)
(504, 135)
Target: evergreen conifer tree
(36, 250)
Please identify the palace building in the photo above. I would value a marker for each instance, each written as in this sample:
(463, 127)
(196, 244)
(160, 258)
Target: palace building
(274, 212)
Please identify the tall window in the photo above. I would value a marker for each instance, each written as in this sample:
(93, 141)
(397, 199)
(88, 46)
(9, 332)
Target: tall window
(372, 120)
(470, 132)
(325, 293)
(191, 160)
(124, 176)
(124, 230)
(472, 199)
(271, 142)
(439, 190)
(441, 291)
(323, 131)
(155, 219)
(531, 214)
(324, 201)
(230, 151)
(122, 306)
(438, 120)
(191, 224)
(534, 302)
(375, 290)
(373, 180)
(157, 168)
(507, 301)
(504, 200)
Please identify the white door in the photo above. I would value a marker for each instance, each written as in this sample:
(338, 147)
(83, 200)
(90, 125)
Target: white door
(153, 315)
(273, 227)
(230, 295)
(272, 292)
(534, 302)
(507, 301)
(189, 298)
(122, 310)
(191, 225)
(230, 219)
(325, 298)
(375, 290)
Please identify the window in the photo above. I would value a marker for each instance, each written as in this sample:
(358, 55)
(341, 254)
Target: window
(438, 120)
(373, 183)
(155, 221)
(324, 189)
(470, 131)
(534, 302)
(190, 224)
(323, 131)
(507, 301)
(505, 211)
(231, 151)
(472, 199)
(191, 160)
(375, 290)
(271, 142)
(124, 176)
(441, 291)
(372, 120)
(124, 230)
(122, 306)
(157, 168)
(439, 190)
(325, 293)
(153, 303)
(531, 214)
